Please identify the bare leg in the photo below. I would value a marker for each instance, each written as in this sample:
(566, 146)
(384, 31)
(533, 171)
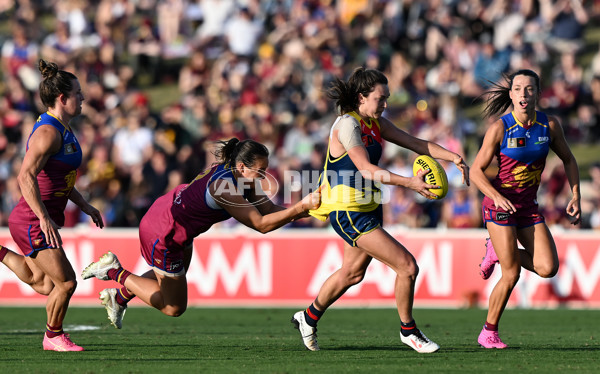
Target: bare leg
(167, 294)
(187, 258)
(54, 263)
(540, 255)
(353, 270)
(504, 239)
(19, 265)
(382, 246)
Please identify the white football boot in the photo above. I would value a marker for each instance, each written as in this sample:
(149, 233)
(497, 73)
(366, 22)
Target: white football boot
(419, 342)
(100, 268)
(115, 310)
(308, 333)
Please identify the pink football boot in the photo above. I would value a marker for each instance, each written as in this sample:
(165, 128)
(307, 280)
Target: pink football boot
(60, 343)
(490, 339)
(489, 261)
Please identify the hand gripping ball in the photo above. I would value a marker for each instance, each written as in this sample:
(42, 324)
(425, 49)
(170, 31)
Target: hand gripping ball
(437, 175)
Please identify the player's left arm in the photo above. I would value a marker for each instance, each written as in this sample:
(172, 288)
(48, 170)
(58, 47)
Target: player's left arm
(560, 146)
(393, 134)
(86, 207)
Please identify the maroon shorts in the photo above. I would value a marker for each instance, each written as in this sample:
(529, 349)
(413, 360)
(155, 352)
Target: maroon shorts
(525, 216)
(168, 258)
(29, 238)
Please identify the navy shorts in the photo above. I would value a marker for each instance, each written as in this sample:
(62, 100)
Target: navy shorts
(352, 225)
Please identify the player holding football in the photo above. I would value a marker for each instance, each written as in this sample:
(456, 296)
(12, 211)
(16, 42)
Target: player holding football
(47, 182)
(353, 204)
(228, 189)
(520, 141)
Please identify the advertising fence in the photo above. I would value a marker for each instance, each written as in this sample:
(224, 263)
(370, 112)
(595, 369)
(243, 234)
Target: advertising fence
(287, 268)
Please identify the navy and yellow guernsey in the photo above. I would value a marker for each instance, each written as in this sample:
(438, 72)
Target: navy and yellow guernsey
(344, 188)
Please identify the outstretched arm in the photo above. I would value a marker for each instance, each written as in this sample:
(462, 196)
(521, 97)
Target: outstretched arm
(227, 196)
(393, 134)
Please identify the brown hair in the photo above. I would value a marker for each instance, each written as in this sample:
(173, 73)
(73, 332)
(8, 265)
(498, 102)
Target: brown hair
(54, 82)
(361, 81)
(234, 150)
(499, 95)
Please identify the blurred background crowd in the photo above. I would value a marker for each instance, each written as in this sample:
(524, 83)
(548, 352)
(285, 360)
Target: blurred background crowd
(164, 79)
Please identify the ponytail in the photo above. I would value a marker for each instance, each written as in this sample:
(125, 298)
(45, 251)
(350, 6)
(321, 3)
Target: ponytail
(361, 81)
(245, 151)
(54, 82)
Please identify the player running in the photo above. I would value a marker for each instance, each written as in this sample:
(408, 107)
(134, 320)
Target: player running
(352, 201)
(520, 141)
(47, 182)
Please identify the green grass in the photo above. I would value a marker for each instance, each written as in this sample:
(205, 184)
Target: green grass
(263, 341)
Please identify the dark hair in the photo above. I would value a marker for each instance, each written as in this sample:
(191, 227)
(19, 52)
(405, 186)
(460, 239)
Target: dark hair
(54, 82)
(361, 81)
(499, 95)
(233, 151)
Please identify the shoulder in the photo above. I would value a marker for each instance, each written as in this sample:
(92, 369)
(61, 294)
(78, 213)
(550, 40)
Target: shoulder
(45, 138)
(346, 120)
(556, 130)
(553, 122)
(496, 128)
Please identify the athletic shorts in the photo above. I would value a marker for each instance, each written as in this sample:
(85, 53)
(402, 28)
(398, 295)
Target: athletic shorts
(352, 225)
(164, 260)
(525, 216)
(29, 238)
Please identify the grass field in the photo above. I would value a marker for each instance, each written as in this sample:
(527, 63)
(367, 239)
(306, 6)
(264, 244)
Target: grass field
(263, 341)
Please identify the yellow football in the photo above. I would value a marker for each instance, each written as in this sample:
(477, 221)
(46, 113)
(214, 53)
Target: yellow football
(437, 175)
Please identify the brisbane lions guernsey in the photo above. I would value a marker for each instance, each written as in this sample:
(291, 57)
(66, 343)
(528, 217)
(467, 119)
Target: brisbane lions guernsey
(521, 158)
(56, 179)
(344, 187)
(188, 210)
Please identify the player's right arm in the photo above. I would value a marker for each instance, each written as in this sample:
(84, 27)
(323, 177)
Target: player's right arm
(346, 136)
(491, 141)
(229, 198)
(43, 143)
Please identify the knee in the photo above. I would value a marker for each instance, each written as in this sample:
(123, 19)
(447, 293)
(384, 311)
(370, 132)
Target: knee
(546, 270)
(510, 276)
(409, 269)
(174, 310)
(69, 287)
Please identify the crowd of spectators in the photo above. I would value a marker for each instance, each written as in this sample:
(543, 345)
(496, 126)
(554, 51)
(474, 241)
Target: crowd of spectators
(258, 69)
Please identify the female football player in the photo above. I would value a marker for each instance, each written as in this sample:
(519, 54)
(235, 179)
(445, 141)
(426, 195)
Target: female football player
(520, 141)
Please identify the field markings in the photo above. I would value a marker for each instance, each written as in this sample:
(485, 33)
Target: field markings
(66, 328)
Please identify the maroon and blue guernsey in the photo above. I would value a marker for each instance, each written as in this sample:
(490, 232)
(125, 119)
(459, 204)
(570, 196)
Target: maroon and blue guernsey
(56, 179)
(176, 218)
(521, 159)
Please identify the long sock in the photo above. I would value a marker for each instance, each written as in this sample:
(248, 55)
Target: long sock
(312, 315)
(490, 326)
(119, 275)
(408, 328)
(3, 253)
(123, 296)
(53, 331)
